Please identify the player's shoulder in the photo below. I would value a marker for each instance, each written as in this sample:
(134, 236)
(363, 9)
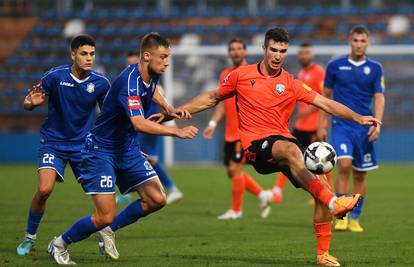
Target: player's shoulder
(126, 74)
(284, 74)
(247, 70)
(100, 76)
(319, 68)
(56, 71)
(374, 63)
(226, 71)
(338, 60)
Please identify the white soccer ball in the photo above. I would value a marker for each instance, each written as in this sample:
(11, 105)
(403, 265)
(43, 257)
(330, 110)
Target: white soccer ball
(320, 157)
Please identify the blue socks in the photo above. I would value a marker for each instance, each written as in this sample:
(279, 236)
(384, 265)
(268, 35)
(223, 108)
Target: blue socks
(83, 228)
(164, 177)
(80, 230)
(33, 221)
(128, 215)
(358, 209)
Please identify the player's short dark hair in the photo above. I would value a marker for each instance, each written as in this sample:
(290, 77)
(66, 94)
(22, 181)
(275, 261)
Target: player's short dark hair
(277, 34)
(132, 54)
(360, 29)
(153, 40)
(81, 40)
(236, 40)
(305, 44)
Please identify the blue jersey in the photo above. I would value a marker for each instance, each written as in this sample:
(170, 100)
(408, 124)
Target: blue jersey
(129, 96)
(71, 104)
(354, 85)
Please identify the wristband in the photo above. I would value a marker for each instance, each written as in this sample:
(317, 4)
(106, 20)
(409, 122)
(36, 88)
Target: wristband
(212, 123)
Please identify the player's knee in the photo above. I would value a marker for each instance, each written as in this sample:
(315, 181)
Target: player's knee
(344, 168)
(157, 201)
(294, 157)
(234, 170)
(43, 192)
(104, 219)
(359, 176)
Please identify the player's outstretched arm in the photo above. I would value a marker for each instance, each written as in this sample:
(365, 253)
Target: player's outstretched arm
(34, 98)
(202, 102)
(199, 103)
(168, 109)
(218, 114)
(141, 124)
(339, 110)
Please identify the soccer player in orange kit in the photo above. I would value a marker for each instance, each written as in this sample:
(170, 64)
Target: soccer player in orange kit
(266, 96)
(306, 122)
(233, 155)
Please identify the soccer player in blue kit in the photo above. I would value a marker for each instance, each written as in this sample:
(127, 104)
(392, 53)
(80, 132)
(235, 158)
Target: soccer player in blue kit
(355, 81)
(72, 92)
(112, 154)
(151, 146)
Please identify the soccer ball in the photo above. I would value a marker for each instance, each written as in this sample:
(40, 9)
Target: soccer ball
(320, 157)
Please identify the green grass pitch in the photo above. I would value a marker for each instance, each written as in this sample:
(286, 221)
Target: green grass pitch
(188, 233)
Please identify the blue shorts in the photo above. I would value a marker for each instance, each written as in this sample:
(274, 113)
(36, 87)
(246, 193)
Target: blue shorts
(56, 156)
(354, 144)
(102, 170)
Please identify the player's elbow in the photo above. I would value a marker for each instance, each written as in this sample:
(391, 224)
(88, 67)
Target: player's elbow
(212, 99)
(139, 123)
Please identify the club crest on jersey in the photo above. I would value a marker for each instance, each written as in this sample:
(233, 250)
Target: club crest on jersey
(280, 88)
(147, 166)
(90, 88)
(367, 70)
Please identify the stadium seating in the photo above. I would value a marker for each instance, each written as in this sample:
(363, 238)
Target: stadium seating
(117, 32)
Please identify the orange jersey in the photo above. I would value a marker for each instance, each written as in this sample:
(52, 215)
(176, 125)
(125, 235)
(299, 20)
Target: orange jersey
(265, 104)
(312, 76)
(231, 130)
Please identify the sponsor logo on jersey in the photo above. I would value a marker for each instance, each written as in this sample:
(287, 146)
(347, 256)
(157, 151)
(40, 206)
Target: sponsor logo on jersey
(134, 102)
(280, 88)
(345, 68)
(90, 88)
(367, 70)
(67, 84)
(227, 78)
(382, 82)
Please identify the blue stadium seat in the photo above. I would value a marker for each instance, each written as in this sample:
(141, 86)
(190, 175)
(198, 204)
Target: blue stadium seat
(92, 29)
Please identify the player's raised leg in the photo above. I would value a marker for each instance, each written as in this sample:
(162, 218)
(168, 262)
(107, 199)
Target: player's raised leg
(342, 187)
(288, 154)
(46, 183)
(152, 199)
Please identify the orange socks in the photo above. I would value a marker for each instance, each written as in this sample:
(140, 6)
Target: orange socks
(237, 192)
(323, 236)
(251, 185)
(281, 180)
(319, 191)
